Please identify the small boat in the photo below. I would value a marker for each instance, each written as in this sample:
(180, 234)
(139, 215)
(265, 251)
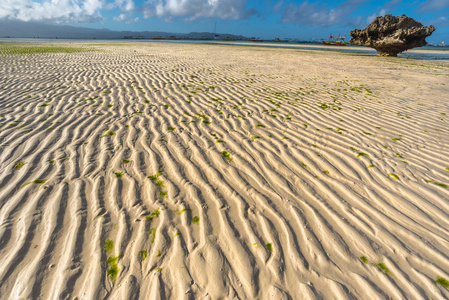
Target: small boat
(335, 41)
(253, 39)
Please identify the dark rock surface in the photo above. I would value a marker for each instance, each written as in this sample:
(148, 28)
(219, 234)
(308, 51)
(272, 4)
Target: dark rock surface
(391, 35)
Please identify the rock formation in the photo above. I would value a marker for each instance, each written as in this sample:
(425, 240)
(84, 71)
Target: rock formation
(391, 35)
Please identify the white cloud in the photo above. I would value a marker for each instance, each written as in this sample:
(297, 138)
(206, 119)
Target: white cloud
(385, 9)
(197, 9)
(371, 18)
(64, 11)
(126, 17)
(125, 5)
(320, 15)
(121, 18)
(434, 5)
(57, 11)
(72, 11)
(92, 6)
(277, 7)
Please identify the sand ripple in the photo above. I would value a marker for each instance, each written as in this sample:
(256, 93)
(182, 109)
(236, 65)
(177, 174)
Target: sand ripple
(196, 171)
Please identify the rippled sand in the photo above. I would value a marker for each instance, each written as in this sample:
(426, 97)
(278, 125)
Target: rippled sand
(208, 171)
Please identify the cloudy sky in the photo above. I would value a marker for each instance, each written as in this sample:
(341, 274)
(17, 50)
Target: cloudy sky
(264, 18)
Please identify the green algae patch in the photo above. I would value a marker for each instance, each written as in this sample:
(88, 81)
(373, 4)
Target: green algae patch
(269, 247)
(384, 269)
(394, 176)
(108, 246)
(180, 212)
(227, 155)
(153, 215)
(37, 181)
(110, 133)
(442, 281)
(155, 177)
(119, 174)
(160, 183)
(113, 259)
(195, 220)
(19, 165)
(152, 233)
(18, 48)
(364, 259)
(442, 185)
(113, 272)
(143, 254)
(113, 268)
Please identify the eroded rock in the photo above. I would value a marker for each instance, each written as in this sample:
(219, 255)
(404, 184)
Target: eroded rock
(391, 35)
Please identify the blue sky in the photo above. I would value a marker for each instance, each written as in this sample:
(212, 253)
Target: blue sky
(267, 19)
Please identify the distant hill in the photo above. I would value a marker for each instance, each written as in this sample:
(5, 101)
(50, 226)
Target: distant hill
(20, 29)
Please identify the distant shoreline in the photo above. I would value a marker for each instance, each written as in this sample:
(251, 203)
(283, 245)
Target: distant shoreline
(426, 52)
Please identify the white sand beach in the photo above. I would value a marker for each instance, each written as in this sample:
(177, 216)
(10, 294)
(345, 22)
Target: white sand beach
(181, 171)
